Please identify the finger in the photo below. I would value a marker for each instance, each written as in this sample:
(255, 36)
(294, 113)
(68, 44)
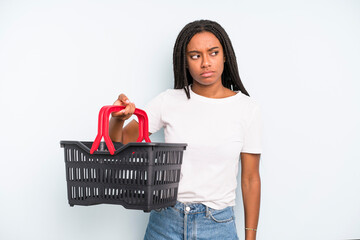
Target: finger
(127, 109)
(118, 113)
(117, 102)
(124, 99)
(132, 107)
(121, 101)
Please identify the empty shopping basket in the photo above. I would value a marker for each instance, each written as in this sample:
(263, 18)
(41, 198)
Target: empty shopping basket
(138, 175)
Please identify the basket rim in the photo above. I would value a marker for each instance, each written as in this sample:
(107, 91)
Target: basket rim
(137, 144)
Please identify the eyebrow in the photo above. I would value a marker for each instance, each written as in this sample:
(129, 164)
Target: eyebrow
(194, 51)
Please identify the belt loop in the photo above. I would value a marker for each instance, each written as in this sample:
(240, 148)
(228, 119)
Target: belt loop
(207, 211)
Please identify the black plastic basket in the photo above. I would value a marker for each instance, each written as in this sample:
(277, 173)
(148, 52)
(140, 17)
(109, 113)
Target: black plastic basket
(137, 175)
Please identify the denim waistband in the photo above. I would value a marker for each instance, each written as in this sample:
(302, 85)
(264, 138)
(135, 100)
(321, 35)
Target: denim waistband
(190, 208)
(194, 208)
(186, 209)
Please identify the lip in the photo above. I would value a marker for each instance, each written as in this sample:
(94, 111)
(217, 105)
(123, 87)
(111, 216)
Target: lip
(207, 74)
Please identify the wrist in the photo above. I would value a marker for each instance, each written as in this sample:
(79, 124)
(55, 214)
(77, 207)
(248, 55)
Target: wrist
(250, 236)
(118, 120)
(250, 233)
(251, 229)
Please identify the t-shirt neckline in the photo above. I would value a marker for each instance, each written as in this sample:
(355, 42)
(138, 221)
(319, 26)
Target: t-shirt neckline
(207, 99)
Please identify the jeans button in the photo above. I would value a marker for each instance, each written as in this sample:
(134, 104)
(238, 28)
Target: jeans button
(187, 209)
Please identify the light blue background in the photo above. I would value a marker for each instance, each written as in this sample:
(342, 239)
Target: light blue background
(60, 61)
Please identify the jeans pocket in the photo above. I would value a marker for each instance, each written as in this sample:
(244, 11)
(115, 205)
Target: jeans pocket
(222, 216)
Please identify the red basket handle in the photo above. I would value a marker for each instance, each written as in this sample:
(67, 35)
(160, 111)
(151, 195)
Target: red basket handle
(103, 127)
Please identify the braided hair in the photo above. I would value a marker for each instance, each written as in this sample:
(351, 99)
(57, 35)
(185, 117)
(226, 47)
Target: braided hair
(230, 77)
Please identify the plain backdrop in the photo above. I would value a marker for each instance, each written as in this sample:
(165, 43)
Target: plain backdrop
(60, 61)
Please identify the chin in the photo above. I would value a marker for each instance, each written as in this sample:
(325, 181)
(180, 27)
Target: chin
(206, 82)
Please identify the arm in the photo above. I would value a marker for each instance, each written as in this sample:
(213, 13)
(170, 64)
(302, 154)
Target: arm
(126, 134)
(250, 185)
(117, 131)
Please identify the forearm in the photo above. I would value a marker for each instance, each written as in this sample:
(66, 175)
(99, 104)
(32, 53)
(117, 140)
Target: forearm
(116, 129)
(251, 199)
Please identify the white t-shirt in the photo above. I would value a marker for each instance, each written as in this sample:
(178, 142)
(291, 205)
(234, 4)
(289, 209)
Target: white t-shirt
(216, 131)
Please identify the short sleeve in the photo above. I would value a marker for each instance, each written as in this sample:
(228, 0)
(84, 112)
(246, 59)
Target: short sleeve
(253, 133)
(154, 112)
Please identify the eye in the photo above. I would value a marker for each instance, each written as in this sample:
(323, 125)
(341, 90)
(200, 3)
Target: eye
(214, 53)
(197, 56)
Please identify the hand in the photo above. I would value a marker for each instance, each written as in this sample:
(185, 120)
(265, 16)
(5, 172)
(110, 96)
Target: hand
(127, 111)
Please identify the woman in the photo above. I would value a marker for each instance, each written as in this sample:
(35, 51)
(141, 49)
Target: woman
(210, 110)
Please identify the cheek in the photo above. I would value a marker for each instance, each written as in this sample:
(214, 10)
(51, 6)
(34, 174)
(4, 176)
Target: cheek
(192, 68)
(220, 66)
(192, 73)
(221, 62)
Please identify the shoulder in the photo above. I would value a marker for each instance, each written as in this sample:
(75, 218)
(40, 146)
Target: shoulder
(173, 94)
(169, 93)
(168, 97)
(247, 101)
(248, 107)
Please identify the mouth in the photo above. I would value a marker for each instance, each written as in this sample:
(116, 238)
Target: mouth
(207, 74)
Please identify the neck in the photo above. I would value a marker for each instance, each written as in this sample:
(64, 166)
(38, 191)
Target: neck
(211, 91)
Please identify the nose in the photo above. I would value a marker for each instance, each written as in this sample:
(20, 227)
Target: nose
(205, 62)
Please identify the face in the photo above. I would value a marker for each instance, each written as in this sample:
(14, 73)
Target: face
(205, 59)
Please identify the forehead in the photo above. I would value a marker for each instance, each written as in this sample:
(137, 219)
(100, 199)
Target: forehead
(203, 40)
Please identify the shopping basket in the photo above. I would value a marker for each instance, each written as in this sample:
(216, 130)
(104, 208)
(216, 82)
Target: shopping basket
(138, 175)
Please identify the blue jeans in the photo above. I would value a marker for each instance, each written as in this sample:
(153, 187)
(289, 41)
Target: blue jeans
(191, 221)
